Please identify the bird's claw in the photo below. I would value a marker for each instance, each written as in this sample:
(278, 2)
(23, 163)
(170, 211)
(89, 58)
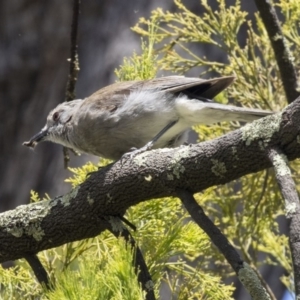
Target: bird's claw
(135, 151)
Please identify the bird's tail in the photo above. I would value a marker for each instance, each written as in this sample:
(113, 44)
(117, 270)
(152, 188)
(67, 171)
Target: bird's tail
(194, 112)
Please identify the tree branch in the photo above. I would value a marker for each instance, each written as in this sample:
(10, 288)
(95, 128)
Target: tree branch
(282, 53)
(112, 190)
(74, 63)
(139, 263)
(38, 269)
(244, 272)
(292, 207)
(74, 66)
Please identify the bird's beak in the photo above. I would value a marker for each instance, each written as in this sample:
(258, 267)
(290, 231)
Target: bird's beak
(39, 137)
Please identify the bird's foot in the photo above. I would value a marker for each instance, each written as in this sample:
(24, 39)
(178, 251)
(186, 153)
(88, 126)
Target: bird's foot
(135, 151)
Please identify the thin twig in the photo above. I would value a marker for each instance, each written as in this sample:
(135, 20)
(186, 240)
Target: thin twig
(74, 63)
(211, 230)
(292, 208)
(128, 223)
(262, 280)
(282, 53)
(66, 157)
(74, 66)
(245, 273)
(38, 270)
(118, 229)
(265, 185)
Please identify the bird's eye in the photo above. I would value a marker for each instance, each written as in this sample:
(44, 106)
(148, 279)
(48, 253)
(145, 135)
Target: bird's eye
(55, 116)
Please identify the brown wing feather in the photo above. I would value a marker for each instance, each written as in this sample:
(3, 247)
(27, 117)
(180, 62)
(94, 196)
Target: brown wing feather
(196, 87)
(113, 95)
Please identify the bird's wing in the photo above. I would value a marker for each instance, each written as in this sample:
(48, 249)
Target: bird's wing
(194, 87)
(110, 97)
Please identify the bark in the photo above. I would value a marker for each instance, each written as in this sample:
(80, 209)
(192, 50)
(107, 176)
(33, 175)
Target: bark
(247, 276)
(34, 48)
(83, 212)
(284, 59)
(289, 193)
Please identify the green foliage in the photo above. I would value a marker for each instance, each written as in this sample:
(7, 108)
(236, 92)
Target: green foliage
(246, 209)
(254, 64)
(100, 268)
(102, 273)
(170, 242)
(177, 252)
(17, 283)
(290, 28)
(140, 67)
(80, 174)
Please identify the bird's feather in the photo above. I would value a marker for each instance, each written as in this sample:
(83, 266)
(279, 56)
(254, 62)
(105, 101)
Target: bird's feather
(195, 88)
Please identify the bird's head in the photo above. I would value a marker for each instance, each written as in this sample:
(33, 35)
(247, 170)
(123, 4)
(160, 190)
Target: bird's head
(56, 125)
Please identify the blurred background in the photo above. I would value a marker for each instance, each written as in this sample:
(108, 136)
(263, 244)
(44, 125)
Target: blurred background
(34, 48)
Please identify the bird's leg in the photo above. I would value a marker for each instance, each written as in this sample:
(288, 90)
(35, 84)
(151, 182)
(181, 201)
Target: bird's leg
(134, 151)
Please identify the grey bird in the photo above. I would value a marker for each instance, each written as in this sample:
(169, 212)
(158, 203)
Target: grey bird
(140, 115)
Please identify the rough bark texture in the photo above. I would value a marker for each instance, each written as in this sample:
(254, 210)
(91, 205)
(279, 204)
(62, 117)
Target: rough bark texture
(34, 48)
(83, 212)
(247, 276)
(289, 193)
(282, 53)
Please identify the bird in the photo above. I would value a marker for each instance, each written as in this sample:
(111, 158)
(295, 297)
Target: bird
(135, 116)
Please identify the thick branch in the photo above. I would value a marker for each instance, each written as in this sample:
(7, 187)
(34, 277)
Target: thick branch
(292, 207)
(112, 190)
(282, 53)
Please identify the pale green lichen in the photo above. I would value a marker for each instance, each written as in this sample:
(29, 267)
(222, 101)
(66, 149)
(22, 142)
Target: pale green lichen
(27, 219)
(281, 166)
(261, 145)
(175, 163)
(298, 139)
(290, 209)
(149, 285)
(252, 283)
(177, 170)
(109, 197)
(17, 232)
(234, 153)
(234, 150)
(176, 167)
(116, 224)
(218, 168)
(261, 130)
(90, 200)
(36, 231)
(66, 199)
(170, 176)
(140, 159)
